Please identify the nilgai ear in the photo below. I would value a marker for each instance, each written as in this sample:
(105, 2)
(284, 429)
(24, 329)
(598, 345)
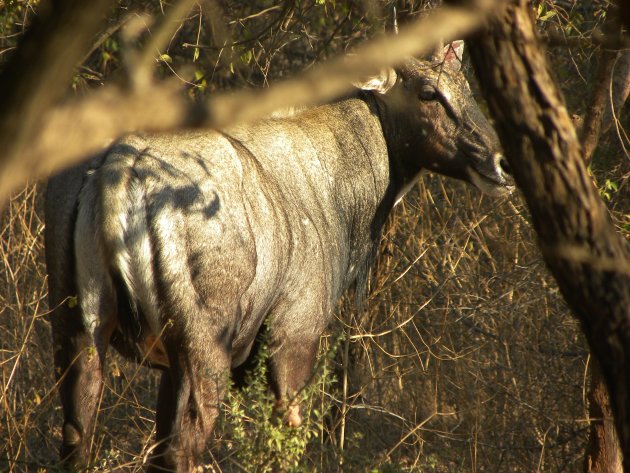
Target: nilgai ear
(452, 55)
(380, 83)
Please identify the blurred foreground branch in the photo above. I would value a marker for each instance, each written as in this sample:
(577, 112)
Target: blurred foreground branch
(38, 74)
(54, 137)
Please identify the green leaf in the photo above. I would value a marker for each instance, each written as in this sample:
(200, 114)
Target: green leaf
(550, 14)
(246, 57)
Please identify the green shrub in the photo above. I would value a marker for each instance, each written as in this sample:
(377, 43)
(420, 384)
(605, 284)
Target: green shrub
(252, 433)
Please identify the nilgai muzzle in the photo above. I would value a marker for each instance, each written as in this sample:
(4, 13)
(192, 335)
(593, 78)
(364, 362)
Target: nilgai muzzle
(175, 248)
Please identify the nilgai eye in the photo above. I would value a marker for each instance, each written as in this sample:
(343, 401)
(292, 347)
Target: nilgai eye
(427, 92)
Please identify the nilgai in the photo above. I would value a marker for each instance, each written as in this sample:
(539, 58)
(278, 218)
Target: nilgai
(176, 248)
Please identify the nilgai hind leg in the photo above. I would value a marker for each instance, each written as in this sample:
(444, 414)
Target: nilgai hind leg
(190, 394)
(83, 320)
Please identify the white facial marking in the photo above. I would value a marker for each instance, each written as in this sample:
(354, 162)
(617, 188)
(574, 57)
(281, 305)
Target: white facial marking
(485, 186)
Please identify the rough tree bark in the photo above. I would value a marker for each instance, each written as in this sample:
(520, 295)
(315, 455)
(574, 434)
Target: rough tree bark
(602, 451)
(588, 258)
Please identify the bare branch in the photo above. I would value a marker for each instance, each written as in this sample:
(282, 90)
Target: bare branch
(163, 32)
(80, 127)
(554, 38)
(618, 93)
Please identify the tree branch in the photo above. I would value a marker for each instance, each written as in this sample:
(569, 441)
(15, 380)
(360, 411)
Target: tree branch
(79, 127)
(40, 70)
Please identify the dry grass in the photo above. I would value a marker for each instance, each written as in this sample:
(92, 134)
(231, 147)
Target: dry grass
(465, 358)
(485, 368)
(29, 416)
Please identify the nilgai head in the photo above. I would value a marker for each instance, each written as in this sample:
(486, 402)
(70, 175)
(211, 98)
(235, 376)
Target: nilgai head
(435, 113)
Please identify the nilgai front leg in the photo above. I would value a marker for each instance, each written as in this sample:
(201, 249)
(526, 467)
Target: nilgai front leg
(292, 359)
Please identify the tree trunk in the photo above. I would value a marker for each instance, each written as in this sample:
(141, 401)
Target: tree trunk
(608, 94)
(599, 101)
(620, 89)
(610, 89)
(588, 258)
(602, 452)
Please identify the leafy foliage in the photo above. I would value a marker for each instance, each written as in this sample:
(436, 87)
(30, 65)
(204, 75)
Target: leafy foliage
(253, 432)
